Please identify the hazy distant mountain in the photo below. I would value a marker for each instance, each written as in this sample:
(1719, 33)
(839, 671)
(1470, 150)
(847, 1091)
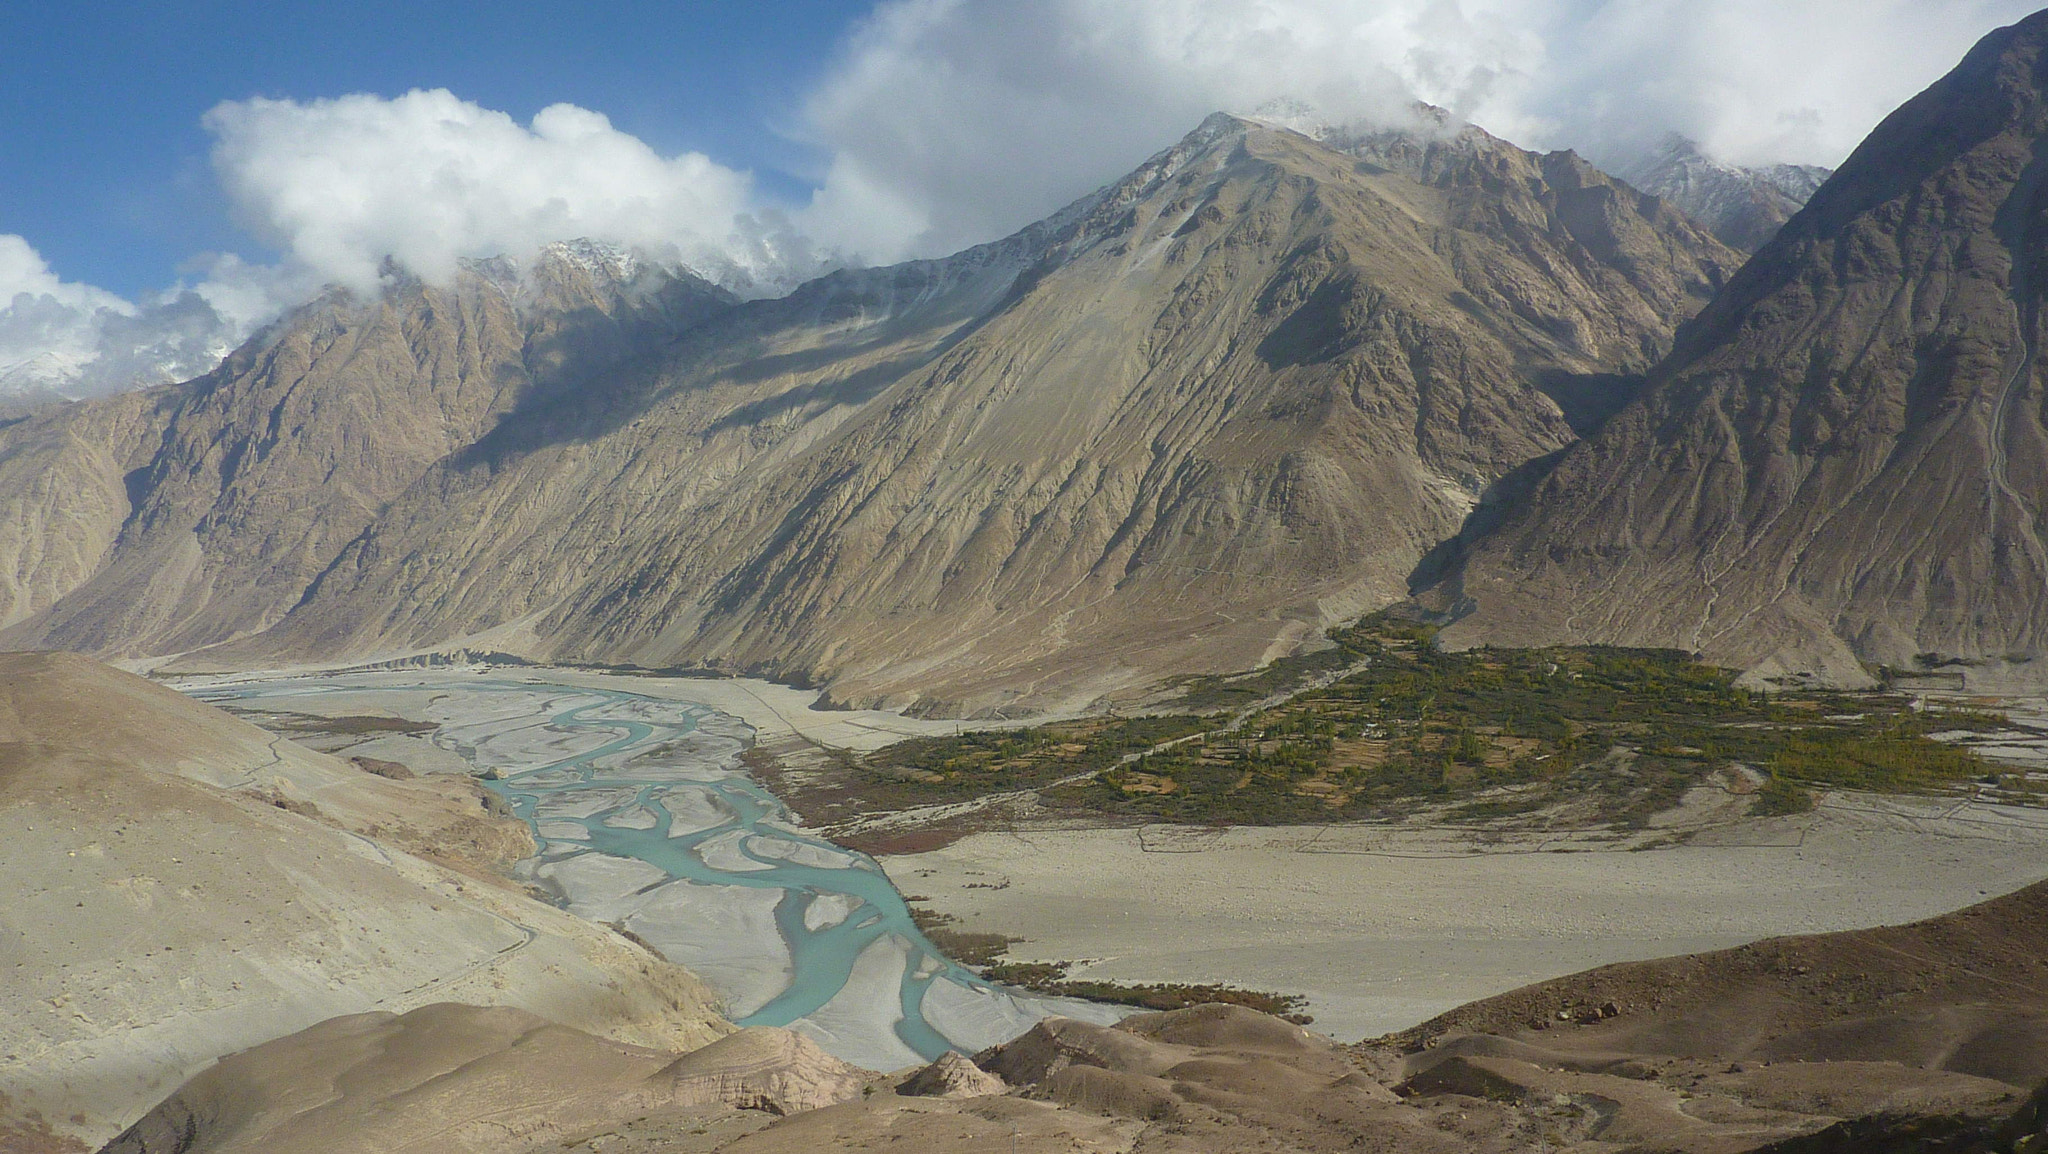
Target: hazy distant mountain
(1744, 207)
(1181, 425)
(1846, 458)
(51, 350)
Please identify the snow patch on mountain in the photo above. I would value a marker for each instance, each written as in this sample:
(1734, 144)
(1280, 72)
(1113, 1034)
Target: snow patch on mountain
(1743, 206)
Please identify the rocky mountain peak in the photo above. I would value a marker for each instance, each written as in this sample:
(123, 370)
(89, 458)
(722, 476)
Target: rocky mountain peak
(1743, 206)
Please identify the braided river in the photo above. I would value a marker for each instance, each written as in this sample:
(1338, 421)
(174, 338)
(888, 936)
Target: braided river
(646, 821)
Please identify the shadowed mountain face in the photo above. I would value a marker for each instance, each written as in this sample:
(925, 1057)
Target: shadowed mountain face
(1844, 460)
(1180, 426)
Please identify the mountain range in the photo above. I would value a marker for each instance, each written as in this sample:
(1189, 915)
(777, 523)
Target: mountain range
(1181, 426)
(1265, 383)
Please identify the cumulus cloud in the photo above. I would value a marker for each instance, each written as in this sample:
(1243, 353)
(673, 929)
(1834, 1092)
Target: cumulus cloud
(951, 121)
(24, 272)
(428, 179)
(1754, 81)
(347, 188)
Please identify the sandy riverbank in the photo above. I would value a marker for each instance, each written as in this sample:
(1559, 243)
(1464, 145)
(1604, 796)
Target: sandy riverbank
(775, 712)
(1382, 931)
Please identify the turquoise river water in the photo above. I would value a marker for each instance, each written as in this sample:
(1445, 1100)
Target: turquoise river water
(638, 778)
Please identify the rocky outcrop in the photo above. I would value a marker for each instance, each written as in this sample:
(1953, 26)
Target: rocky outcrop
(1845, 460)
(1180, 426)
(954, 1075)
(762, 1068)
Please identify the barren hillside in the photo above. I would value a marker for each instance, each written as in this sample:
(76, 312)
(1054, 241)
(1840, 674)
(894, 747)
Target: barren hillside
(1846, 458)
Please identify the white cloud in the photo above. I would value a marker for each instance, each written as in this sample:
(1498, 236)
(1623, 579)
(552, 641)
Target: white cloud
(72, 339)
(949, 122)
(23, 271)
(953, 121)
(1754, 81)
(424, 179)
(428, 179)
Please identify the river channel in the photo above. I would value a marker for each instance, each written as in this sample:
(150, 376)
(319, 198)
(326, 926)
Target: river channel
(646, 821)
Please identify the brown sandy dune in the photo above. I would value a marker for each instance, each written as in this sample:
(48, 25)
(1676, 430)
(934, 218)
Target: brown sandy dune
(1939, 1018)
(65, 700)
(1654, 1074)
(1966, 992)
(155, 922)
(464, 1080)
(1890, 1039)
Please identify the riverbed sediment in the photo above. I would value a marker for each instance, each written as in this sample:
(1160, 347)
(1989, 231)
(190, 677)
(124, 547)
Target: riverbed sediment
(647, 821)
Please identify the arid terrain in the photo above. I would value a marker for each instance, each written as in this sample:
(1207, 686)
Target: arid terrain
(1180, 426)
(1842, 462)
(191, 885)
(1932, 1035)
(1383, 927)
(1345, 638)
(1379, 926)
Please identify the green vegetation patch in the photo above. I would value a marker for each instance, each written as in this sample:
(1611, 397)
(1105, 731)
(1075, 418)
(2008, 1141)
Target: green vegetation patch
(983, 953)
(1495, 733)
(1051, 978)
(994, 761)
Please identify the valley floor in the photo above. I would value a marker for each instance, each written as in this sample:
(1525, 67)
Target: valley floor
(1384, 929)
(1382, 926)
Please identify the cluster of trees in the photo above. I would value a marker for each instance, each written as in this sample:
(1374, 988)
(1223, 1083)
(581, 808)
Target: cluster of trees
(1417, 724)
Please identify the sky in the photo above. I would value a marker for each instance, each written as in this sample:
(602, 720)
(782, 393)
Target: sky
(174, 174)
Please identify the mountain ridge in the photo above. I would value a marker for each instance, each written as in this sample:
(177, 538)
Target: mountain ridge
(1842, 460)
(774, 599)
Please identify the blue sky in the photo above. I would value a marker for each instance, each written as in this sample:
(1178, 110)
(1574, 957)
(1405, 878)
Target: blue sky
(103, 163)
(250, 153)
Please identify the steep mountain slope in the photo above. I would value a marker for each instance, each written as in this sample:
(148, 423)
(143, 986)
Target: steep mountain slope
(1744, 207)
(1178, 427)
(155, 522)
(1845, 458)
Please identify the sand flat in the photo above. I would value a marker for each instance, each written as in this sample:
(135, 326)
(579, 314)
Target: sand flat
(1380, 934)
